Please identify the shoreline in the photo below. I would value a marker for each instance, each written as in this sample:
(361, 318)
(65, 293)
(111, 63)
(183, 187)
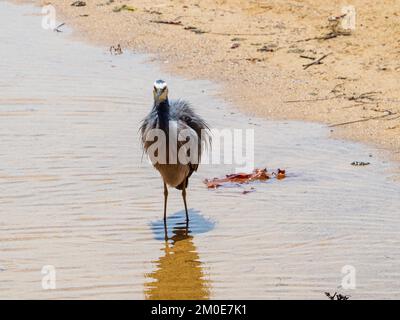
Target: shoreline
(258, 65)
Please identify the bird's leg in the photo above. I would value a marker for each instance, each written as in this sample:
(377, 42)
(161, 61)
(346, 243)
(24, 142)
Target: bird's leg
(184, 201)
(165, 202)
(165, 232)
(187, 228)
(165, 212)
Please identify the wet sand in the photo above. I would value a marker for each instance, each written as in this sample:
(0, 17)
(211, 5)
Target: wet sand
(75, 193)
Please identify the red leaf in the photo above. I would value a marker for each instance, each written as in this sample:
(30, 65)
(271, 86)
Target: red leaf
(244, 178)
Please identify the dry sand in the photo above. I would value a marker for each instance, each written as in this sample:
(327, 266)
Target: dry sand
(254, 48)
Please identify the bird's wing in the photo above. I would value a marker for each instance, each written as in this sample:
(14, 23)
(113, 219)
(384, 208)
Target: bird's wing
(148, 123)
(187, 146)
(182, 111)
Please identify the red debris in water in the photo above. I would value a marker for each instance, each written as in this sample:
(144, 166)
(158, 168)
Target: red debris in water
(243, 178)
(281, 174)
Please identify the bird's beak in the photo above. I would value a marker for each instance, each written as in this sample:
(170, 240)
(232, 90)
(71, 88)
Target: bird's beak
(160, 94)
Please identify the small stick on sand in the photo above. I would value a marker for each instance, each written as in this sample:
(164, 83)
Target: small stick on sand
(174, 23)
(307, 57)
(330, 35)
(389, 113)
(315, 62)
(311, 100)
(241, 34)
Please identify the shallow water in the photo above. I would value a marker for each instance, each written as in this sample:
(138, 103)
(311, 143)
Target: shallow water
(74, 193)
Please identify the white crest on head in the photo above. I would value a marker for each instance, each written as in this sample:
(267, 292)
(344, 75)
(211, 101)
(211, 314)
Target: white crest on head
(160, 84)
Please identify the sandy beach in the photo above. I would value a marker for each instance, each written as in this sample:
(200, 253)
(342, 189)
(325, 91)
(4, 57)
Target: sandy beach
(256, 51)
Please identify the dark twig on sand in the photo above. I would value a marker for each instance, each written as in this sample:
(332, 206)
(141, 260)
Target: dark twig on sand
(358, 104)
(365, 95)
(315, 62)
(124, 8)
(174, 23)
(241, 34)
(78, 4)
(310, 100)
(388, 113)
(363, 99)
(327, 36)
(307, 57)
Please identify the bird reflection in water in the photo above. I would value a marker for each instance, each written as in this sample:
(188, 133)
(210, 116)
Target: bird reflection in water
(179, 272)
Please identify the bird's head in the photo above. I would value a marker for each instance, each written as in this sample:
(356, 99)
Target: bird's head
(160, 92)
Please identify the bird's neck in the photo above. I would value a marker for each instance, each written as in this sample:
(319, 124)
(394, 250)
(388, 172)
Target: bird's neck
(162, 106)
(162, 109)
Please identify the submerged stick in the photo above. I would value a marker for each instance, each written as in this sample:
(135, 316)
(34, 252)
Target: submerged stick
(57, 29)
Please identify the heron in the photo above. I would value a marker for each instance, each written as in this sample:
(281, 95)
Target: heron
(174, 118)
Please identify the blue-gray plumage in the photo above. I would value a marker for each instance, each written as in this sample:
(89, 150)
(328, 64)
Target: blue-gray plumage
(174, 115)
